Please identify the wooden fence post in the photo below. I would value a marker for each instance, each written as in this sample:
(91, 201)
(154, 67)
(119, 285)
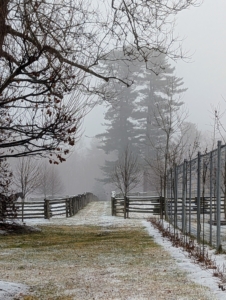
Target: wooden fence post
(84, 201)
(112, 206)
(79, 202)
(22, 206)
(46, 209)
(70, 207)
(125, 207)
(73, 204)
(66, 207)
(76, 204)
(113, 203)
(45, 214)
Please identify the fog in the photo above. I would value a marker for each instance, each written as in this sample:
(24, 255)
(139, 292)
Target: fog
(203, 31)
(81, 172)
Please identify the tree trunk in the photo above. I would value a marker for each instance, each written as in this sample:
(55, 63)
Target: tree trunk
(225, 204)
(3, 15)
(165, 174)
(225, 189)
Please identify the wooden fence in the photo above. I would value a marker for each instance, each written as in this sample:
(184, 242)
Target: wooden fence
(48, 208)
(137, 204)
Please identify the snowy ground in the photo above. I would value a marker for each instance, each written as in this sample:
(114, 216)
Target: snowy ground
(194, 271)
(9, 290)
(98, 214)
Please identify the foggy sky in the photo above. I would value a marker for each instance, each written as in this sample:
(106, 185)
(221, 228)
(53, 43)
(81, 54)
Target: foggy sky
(204, 32)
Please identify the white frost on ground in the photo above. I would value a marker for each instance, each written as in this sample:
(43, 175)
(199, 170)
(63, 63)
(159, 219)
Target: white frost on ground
(9, 290)
(94, 216)
(195, 272)
(101, 217)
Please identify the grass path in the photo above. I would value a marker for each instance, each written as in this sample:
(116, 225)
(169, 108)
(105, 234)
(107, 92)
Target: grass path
(94, 256)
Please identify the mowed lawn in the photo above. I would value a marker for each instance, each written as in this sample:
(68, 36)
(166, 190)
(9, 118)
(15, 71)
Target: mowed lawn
(91, 262)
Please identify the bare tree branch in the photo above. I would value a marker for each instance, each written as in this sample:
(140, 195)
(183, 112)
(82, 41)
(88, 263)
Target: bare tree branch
(126, 174)
(27, 176)
(50, 50)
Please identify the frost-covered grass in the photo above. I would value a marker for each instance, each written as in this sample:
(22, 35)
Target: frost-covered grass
(208, 270)
(95, 256)
(89, 262)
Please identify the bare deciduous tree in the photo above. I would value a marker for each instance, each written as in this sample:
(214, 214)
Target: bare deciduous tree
(168, 121)
(219, 132)
(50, 181)
(127, 173)
(27, 176)
(50, 49)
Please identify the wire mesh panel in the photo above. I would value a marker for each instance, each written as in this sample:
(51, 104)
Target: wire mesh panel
(196, 197)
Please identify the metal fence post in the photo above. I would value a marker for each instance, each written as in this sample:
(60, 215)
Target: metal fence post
(190, 179)
(211, 196)
(175, 196)
(198, 197)
(167, 195)
(218, 187)
(184, 196)
(171, 195)
(160, 200)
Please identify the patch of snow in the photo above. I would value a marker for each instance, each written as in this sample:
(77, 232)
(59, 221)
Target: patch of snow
(195, 272)
(9, 290)
(40, 221)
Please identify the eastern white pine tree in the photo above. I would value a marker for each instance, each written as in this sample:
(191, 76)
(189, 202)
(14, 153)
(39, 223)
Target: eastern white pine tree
(156, 107)
(143, 117)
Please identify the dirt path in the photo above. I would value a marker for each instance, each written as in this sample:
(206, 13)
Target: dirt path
(94, 256)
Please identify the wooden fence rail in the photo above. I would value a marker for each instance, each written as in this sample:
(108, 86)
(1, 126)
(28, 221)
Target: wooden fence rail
(137, 204)
(48, 208)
